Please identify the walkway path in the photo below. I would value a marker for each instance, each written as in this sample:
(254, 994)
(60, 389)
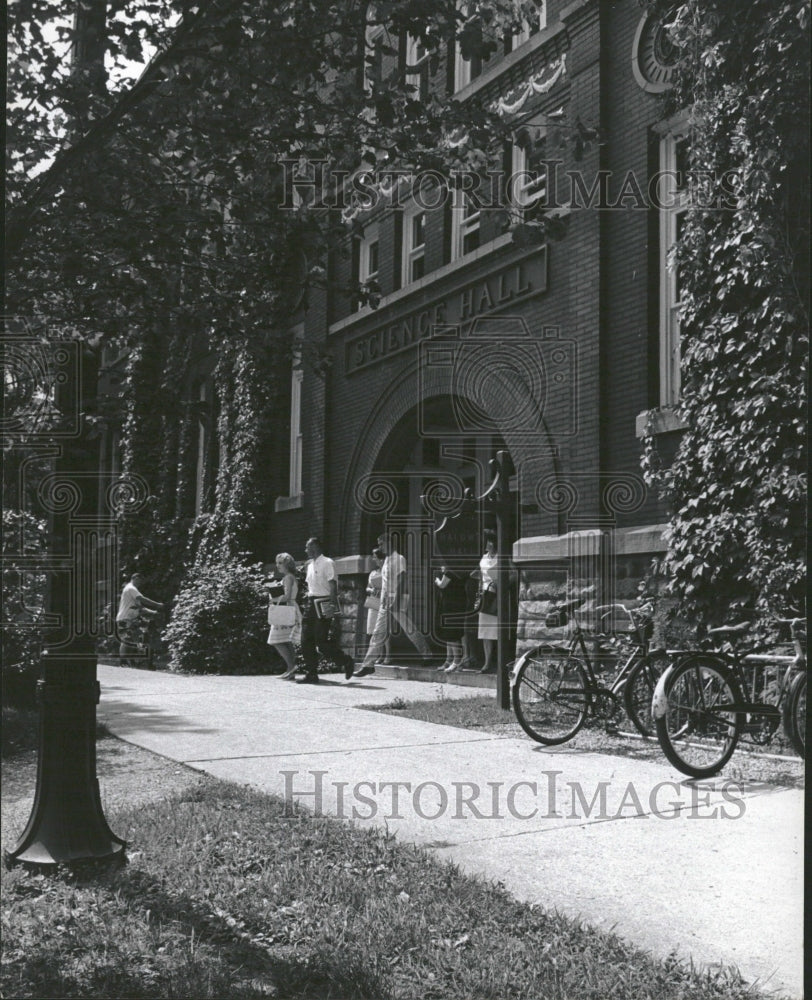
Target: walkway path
(711, 871)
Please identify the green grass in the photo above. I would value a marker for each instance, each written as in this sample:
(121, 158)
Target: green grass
(225, 896)
(479, 712)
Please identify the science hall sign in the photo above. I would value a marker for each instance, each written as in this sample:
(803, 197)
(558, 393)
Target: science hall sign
(486, 294)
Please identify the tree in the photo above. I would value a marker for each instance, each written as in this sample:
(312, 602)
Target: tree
(147, 212)
(737, 485)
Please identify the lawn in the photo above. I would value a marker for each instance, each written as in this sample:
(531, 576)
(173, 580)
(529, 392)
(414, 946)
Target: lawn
(225, 896)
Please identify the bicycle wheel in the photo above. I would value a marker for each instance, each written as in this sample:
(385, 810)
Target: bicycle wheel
(795, 713)
(551, 696)
(639, 690)
(701, 727)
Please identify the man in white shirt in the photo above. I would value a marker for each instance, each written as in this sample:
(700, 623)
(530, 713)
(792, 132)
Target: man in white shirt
(132, 607)
(321, 582)
(392, 610)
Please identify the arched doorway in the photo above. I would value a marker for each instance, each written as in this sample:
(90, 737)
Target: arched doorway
(416, 486)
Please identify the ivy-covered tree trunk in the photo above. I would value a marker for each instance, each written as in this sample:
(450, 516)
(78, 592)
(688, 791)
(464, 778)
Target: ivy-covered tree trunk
(247, 383)
(738, 483)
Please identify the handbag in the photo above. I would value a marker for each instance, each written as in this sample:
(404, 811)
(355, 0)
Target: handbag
(282, 615)
(372, 603)
(485, 602)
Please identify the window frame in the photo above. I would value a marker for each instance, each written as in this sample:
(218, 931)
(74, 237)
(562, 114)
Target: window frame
(521, 165)
(466, 70)
(417, 61)
(412, 252)
(674, 201)
(370, 239)
(296, 437)
(374, 35)
(366, 275)
(205, 391)
(464, 225)
(528, 30)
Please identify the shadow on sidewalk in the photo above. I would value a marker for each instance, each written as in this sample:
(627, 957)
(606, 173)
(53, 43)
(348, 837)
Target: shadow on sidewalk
(127, 717)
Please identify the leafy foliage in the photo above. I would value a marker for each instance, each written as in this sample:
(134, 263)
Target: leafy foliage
(218, 621)
(737, 485)
(145, 209)
(23, 605)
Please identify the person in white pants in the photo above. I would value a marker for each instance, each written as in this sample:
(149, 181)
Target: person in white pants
(393, 573)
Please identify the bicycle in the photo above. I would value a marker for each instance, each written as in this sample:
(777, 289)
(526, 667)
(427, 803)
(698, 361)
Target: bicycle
(704, 705)
(137, 637)
(555, 687)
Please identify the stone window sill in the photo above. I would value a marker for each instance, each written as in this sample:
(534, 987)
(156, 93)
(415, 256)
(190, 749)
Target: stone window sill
(664, 420)
(289, 503)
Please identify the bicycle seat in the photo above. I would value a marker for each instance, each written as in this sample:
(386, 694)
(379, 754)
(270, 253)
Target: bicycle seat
(726, 630)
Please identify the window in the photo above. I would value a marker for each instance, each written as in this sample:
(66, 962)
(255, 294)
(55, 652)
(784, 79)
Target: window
(373, 55)
(205, 395)
(295, 487)
(465, 216)
(370, 261)
(294, 499)
(414, 243)
(673, 197)
(369, 258)
(297, 373)
(466, 70)
(417, 67)
(528, 181)
(528, 30)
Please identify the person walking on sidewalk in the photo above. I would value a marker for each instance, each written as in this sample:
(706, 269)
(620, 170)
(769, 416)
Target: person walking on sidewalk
(373, 600)
(393, 581)
(321, 582)
(281, 636)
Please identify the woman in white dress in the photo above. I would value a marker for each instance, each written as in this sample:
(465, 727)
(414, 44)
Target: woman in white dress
(488, 625)
(281, 636)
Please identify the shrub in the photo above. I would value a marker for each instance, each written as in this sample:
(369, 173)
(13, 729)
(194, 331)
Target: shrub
(218, 623)
(23, 606)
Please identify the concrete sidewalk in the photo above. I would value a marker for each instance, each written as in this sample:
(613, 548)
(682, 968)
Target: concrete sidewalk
(711, 871)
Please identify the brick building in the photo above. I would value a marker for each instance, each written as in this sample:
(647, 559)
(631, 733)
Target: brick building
(486, 338)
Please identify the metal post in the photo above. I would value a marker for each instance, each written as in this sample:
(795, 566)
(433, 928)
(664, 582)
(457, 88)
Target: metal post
(67, 824)
(502, 469)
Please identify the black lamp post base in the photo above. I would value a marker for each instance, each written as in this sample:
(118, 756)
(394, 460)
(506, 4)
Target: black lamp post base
(32, 860)
(67, 825)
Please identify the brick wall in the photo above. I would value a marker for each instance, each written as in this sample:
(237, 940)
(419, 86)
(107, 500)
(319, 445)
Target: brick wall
(601, 276)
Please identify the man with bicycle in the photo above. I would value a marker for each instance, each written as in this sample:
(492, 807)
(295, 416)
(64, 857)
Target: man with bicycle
(133, 610)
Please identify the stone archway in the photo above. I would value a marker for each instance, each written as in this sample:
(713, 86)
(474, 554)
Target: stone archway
(413, 394)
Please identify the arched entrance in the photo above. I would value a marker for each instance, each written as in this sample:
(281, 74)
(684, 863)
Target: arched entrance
(415, 489)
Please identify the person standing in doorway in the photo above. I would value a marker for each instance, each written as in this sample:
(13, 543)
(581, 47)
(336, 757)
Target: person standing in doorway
(321, 582)
(393, 585)
(488, 630)
(450, 620)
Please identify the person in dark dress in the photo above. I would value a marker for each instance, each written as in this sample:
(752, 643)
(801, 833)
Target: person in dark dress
(449, 587)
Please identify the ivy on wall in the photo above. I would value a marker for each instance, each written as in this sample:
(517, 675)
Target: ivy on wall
(737, 485)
